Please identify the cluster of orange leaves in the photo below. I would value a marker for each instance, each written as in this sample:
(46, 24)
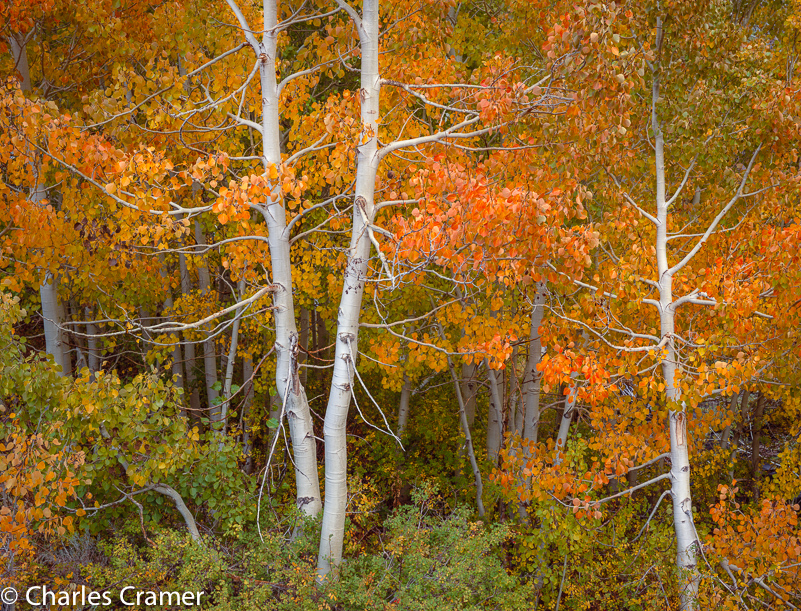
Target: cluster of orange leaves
(36, 481)
(762, 543)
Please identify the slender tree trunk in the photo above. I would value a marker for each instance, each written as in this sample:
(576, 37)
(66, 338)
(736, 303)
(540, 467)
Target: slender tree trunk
(92, 343)
(336, 415)
(756, 430)
(54, 341)
(686, 540)
(51, 310)
(495, 416)
(403, 406)
(189, 347)
(468, 442)
(568, 412)
(19, 53)
(209, 351)
(738, 435)
(531, 378)
(469, 390)
(725, 437)
(323, 338)
(287, 381)
(468, 438)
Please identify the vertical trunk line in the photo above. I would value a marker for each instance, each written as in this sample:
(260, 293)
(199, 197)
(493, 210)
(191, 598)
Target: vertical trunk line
(336, 414)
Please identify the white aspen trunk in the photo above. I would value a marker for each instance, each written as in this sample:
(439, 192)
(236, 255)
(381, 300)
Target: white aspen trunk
(287, 381)
(81, 360)
(336, 415)
(54, 337)
(468, 390)
(567, 419)
(531, 379)
(189, 347)
(686, 540)
(209, 351)
(403, 405)
(20, 54)
(52, 321)
(495, 416)
(725, 437)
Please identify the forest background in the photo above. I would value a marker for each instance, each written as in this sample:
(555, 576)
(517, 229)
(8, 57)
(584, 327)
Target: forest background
(415, 304)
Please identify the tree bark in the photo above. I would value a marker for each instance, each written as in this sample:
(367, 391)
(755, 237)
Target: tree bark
(189, 347)
(568, 412)
(54, 337)
(403, 406)
(686, 540)
(468, 389)
(48, 292)
(495, 416)
(531, 378)
(92, 343)
(209, 350)
(333, 526)
(287, 381)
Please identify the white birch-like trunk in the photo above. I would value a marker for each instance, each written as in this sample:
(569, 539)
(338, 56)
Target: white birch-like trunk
(52, 321)
(686, 540)
(20, 55)
(531, 378)
(287, 380)
(48, 292)
(403, 406)
(336, 415)
(468, 389)
(567, 419)
(495, 415)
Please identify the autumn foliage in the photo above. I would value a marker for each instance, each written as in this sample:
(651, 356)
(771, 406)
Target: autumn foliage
(402, 305)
